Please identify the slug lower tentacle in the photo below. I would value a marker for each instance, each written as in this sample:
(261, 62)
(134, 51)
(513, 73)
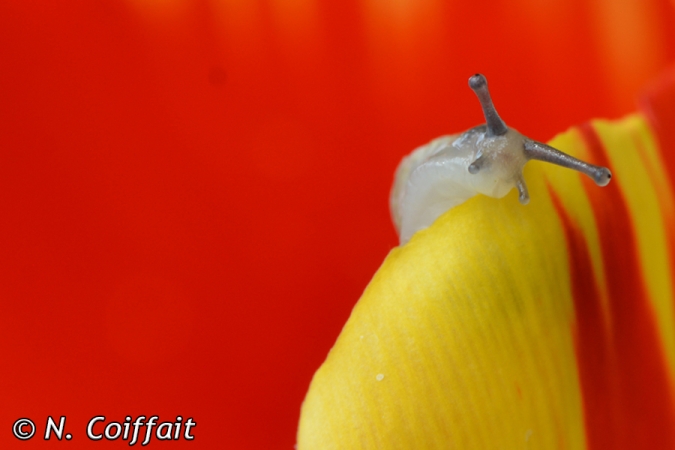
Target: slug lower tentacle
(487, 159)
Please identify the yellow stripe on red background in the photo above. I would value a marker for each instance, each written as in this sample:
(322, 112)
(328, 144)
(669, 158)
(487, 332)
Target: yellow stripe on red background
(626, 371)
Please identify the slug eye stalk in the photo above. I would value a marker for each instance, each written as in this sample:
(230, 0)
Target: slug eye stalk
(542, 152)
(495, 124)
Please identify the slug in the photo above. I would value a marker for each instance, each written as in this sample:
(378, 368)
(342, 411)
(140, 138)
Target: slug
(487, 159)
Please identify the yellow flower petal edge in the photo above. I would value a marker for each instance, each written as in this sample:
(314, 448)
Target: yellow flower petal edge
(501, 326)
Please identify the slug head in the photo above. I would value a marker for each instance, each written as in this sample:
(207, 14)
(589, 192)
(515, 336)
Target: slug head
(502, 152)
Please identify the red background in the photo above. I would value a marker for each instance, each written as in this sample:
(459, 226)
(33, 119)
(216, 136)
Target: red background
(193, 195)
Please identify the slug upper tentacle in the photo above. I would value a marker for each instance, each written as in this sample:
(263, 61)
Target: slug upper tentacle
(487, 159)
(495, 124)
(542, 152)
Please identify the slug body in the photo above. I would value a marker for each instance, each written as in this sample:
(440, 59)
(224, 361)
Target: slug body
(487, 159)
(436, 177)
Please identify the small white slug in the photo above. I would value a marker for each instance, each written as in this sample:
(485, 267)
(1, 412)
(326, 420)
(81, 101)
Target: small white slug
(487, 159)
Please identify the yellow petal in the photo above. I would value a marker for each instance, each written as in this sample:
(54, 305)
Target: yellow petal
(477, 334)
